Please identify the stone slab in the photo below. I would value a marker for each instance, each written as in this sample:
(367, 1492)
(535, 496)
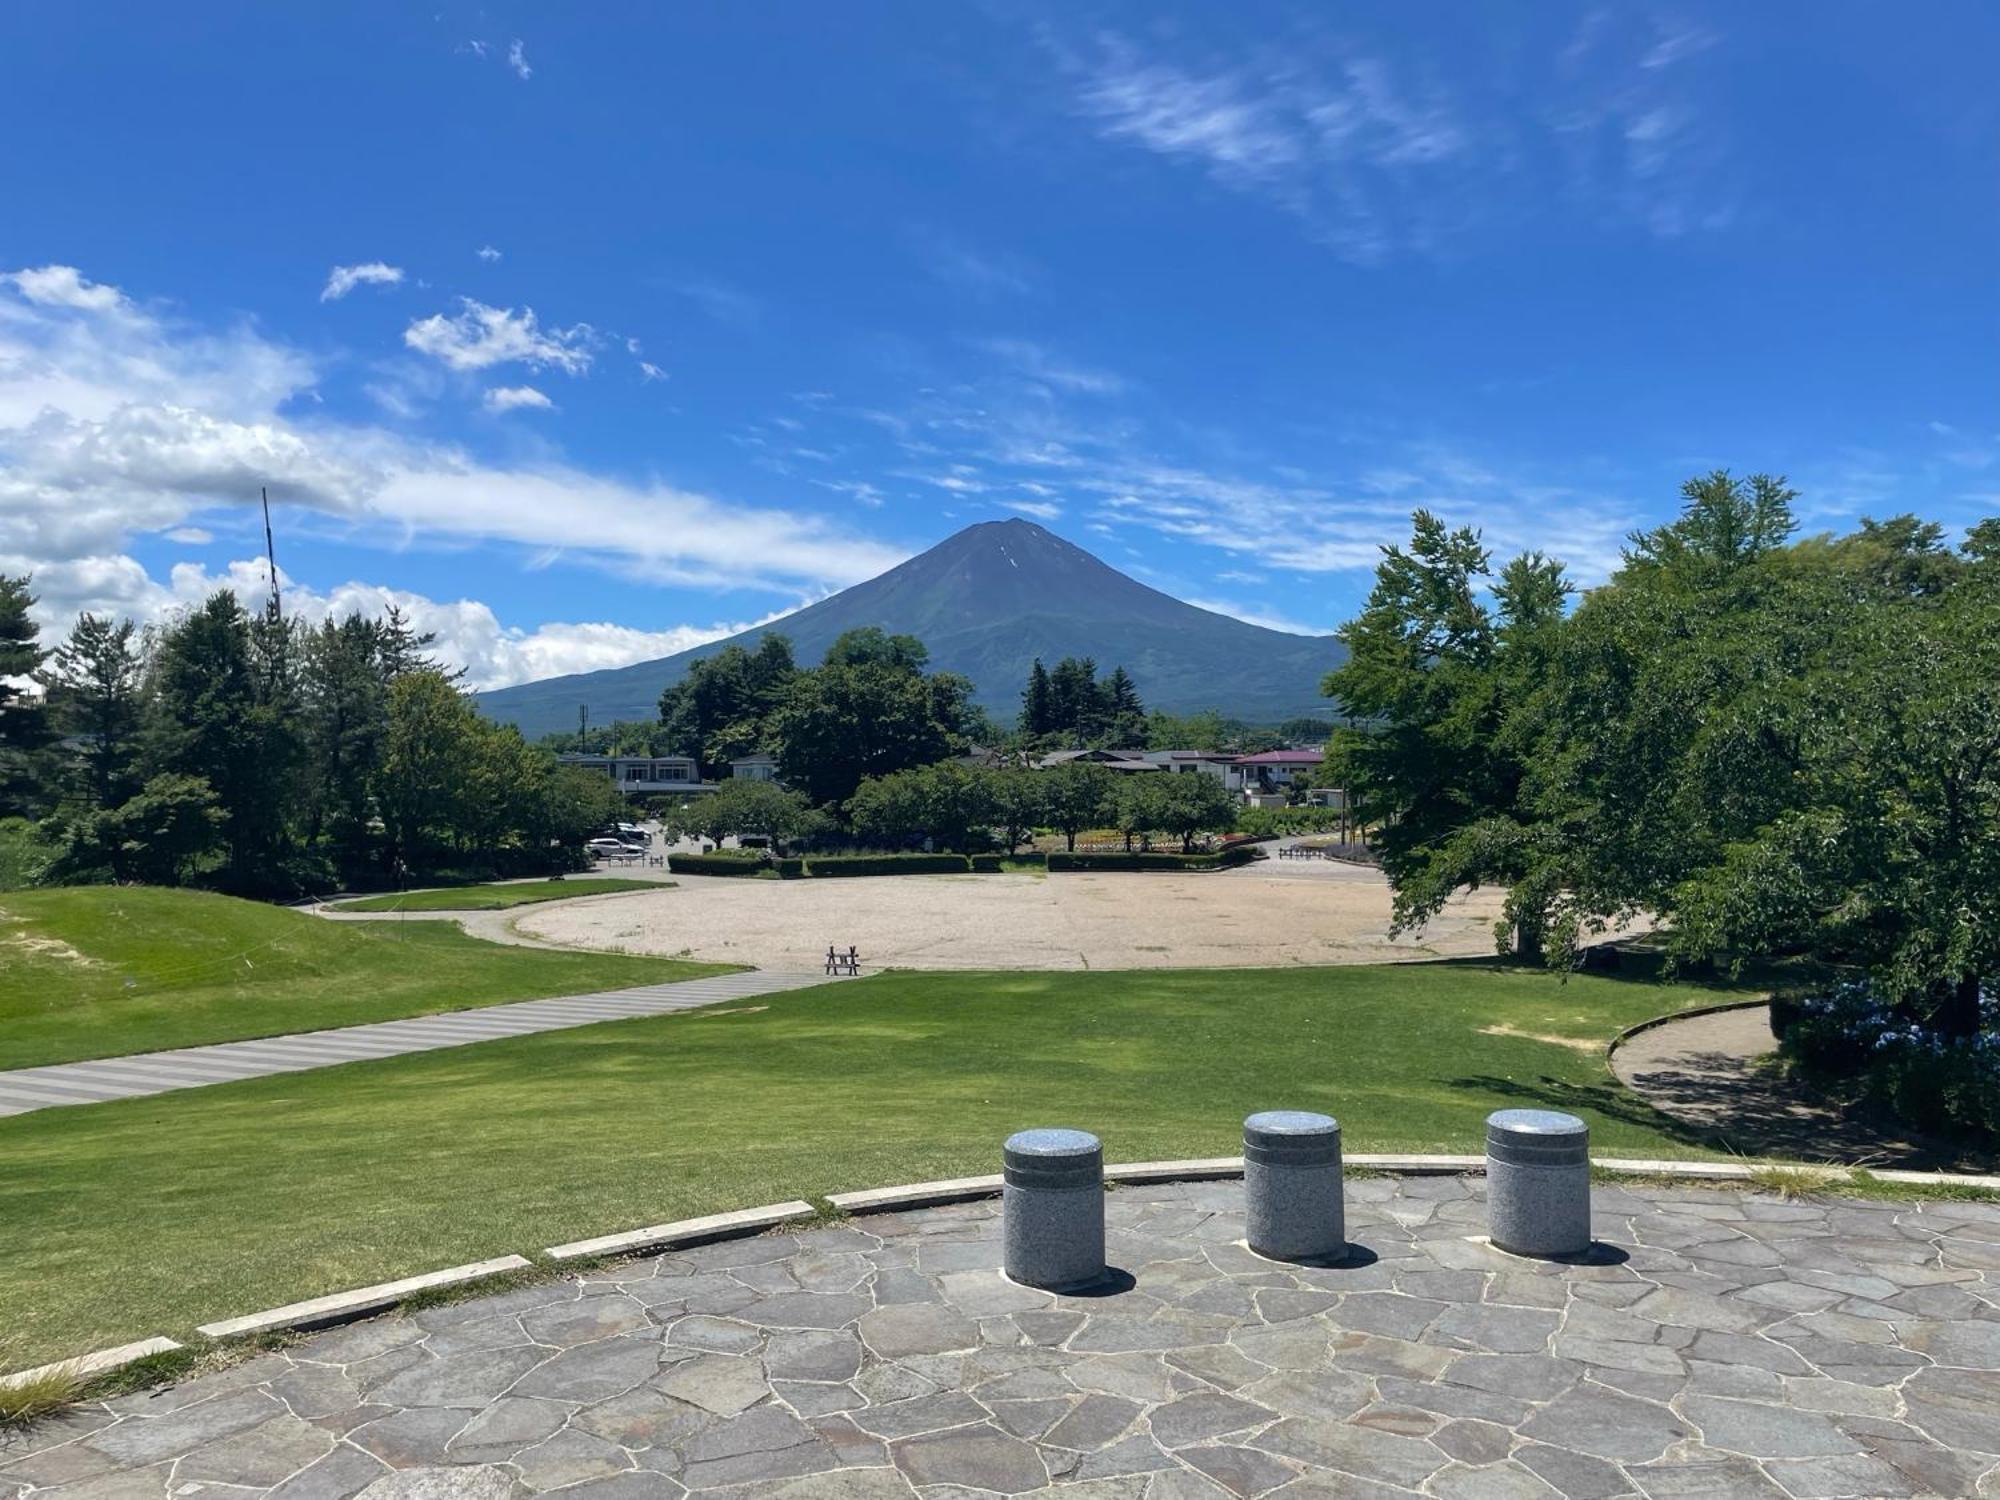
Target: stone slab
(685, 1231)
(99, 1363)
(340, 1306)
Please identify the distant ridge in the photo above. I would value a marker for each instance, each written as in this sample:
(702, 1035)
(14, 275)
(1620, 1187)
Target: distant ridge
(987, 601)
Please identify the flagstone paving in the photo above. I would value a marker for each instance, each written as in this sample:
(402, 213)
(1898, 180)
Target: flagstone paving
(1717, 1344)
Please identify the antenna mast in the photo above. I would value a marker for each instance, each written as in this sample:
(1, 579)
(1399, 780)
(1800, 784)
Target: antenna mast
(270, 551)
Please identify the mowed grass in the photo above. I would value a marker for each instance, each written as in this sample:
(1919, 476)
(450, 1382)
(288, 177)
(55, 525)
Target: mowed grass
(100, 971)
(122, 1220)
(498, 896)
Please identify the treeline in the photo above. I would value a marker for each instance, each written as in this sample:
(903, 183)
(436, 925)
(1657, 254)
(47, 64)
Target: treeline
(1774, 744)
(264, 756)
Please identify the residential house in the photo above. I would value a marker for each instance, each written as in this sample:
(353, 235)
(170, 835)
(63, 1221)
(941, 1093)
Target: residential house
(759, 767)
(1267, 779)
(636, 774)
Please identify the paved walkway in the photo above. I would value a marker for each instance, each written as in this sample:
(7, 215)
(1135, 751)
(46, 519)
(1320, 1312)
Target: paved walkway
(142, 1073)
(1719, 1344)
(1710, 1072)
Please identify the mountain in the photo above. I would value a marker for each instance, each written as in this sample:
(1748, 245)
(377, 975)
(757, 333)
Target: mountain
(987, 601)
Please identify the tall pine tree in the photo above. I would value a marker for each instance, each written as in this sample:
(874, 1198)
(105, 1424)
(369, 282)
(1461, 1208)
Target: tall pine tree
(24, 728)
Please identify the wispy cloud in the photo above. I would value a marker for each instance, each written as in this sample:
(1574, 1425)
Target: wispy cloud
(1378, 157)
(1039, 364)
(343, 279)
(480, 336)
(64, 286)
(517, 59)
(505, 398)
(983, 273)
(487, 253)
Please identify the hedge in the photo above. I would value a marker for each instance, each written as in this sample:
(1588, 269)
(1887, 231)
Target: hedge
(1157, 860)
(993, 864)
(734, 864)
(889, 864)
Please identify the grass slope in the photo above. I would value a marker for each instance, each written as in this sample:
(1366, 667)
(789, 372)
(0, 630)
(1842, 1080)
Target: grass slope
(147, 1216)
(497, 896)
(98, 971)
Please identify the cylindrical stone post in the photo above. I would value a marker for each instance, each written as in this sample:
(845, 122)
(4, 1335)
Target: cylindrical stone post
(1292, 1188)
(1538, 1182)
(1052, 1208)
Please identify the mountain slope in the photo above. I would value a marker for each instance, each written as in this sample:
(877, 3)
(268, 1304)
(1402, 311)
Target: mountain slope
(987, 601)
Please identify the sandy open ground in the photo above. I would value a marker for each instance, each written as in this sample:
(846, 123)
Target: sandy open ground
(1272, 913)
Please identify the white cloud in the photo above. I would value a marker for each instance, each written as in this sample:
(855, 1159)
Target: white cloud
(517, 59)
(63, 286)
(343, 279)
(651, 371)
(487, 253)
(482, 336)
(116, 423)
(503, 398)
(190, 536)
(1041, 510)
(1250, 615)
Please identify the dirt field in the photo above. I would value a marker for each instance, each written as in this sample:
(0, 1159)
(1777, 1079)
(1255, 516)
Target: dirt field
(1274, 913)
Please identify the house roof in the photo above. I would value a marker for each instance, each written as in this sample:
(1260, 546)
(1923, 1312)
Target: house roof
(1283, 758)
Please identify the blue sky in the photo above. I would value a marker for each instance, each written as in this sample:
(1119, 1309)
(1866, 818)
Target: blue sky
(592, 332)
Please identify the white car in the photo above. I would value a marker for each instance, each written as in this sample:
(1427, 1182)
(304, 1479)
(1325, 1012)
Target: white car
(614, 849)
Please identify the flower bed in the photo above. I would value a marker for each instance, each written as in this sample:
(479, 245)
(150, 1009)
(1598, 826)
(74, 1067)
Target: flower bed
(1850, 1037)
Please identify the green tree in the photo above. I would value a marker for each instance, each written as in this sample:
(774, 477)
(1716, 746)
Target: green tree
(223, 712)
(1124, 716)
(949, 804)
(1188, 804)
(349, 664)
(24, 729)
(427, 751)
(1203, 731)
(722, 708)
(1020, 803)
(166, 833)
(93, 684)
(1076, 796)
(1036, 705)
(741, 806)
(869, 711)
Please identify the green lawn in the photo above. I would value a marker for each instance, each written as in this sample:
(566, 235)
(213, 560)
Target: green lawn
(498, 897)
(147, 1216)
(96, 971)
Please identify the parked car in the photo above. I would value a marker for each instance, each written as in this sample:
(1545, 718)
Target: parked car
(614, 849)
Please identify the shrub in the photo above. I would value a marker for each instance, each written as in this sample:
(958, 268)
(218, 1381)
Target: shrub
(23, 855)
(889, 864)
(1850, 1036)
(1157, 860)
(733, 862)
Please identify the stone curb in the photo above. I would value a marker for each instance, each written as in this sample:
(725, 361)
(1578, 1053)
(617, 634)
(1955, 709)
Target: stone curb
(342, 1306)
(1680, 1015)
(683, 1232)
(101, 1363)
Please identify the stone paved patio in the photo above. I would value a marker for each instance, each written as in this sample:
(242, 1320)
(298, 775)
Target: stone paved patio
(1723, 1344)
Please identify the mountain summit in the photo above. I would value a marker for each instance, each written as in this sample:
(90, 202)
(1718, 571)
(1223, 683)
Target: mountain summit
(987, 601)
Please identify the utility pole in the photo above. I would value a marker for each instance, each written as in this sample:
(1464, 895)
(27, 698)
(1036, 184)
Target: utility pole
(582, 728)
(270, 553)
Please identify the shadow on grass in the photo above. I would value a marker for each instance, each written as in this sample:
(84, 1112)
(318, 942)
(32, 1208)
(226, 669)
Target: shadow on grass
(1609, 1100)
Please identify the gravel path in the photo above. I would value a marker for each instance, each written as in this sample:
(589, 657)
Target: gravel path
(1717, 1344)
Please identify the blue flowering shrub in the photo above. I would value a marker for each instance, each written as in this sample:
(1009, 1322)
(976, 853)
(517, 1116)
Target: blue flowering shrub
(1849, 1036)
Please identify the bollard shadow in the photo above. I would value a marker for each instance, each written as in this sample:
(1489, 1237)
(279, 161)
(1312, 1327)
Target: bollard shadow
(1597, 1254)
(1353, 1258)
(1115, 1282)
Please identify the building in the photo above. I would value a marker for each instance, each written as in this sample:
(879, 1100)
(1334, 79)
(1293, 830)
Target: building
(1190, 762)
(759, 767)
(1273, 773)
(1111, 760)
(636, 774)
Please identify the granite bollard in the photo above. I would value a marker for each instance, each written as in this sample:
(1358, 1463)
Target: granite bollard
(1292, 1186)
(1538, 1182)
(1052, 1208)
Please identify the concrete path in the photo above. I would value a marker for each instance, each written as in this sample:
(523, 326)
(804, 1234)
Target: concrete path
(28, 1089)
